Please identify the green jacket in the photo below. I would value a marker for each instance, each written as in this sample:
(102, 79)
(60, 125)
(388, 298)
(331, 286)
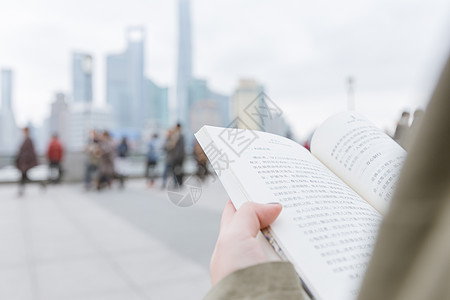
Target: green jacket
(411, 259)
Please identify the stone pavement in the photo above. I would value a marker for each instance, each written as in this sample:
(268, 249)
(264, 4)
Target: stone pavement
(65, 243)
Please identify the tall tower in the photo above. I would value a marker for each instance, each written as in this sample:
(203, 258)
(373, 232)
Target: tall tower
(6, 89)
(82, 77)
(8, 129)
(135, 71)
(125, 82)
(59, 116)
(184, 72)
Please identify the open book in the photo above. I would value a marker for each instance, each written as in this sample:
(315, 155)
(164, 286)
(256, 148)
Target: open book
(333, 197)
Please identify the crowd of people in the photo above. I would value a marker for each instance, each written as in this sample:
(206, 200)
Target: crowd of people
(107, 160)
(100, 152)
(26, 159)
(110, 162)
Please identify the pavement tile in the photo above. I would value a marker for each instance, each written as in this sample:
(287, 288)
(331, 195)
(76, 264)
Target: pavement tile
(74, 278)
(160, 266)
(12, 252)
(15, 284)
(65, 247)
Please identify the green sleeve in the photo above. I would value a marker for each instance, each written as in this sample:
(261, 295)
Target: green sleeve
(273, 280)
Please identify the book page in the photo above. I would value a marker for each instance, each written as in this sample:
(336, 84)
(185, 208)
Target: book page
(362, 155)
(325, 229)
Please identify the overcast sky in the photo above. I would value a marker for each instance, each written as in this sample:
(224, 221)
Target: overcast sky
(301, 51)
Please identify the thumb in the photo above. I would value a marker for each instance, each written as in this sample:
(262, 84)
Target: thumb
(252, 217)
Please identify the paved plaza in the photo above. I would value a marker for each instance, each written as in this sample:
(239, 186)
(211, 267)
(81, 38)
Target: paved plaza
(66, 243)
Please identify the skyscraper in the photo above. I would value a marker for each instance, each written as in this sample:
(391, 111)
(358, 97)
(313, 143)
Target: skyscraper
(82, 77)
(6, 89)
(184, 71)
(156, 105)
(246, 94)
(59, 115)
(199, 91)
(8, 130)
(82, 118)
(253, 109)
(125, 82)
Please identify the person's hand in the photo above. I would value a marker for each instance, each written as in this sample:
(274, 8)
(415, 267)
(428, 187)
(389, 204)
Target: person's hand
(237, 246)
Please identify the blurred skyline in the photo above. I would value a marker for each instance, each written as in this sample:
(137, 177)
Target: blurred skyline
(301, 52)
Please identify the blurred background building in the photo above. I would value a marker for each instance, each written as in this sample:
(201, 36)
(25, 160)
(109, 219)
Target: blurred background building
(82, 65)
(136, 101)
(59, 116)
(245, 94)
(184, 66)
(125, 82)
(8, 130)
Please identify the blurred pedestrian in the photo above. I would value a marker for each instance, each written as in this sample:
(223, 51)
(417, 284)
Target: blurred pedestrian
(121, 163)
(152, 160)
(93, 152)
(122, 149)
(177, 152)
(202, 162)
(26, 159)
(106, 162)
(54, 155)
(168, 159)
(401, 132)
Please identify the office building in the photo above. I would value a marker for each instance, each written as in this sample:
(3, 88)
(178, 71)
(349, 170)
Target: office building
(253, 109)
(82, 77)
(199, 91)
(9, 133)
(184, 68)
(58, 120)
(156, 105)
(246, 95)
(125, 82)
(83, 118)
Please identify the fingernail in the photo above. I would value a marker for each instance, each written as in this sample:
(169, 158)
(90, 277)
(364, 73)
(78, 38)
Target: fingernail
(274, 203)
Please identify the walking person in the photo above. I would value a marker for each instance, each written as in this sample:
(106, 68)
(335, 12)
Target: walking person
(106, 161)
(54, 155)
(26, 159)
(168, 159)
(152, 160)
(178, 154)
(121, 161)
(202, 162)
(92, 150)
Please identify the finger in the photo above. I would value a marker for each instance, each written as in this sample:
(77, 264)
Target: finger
(252, 217)
(227, 214)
